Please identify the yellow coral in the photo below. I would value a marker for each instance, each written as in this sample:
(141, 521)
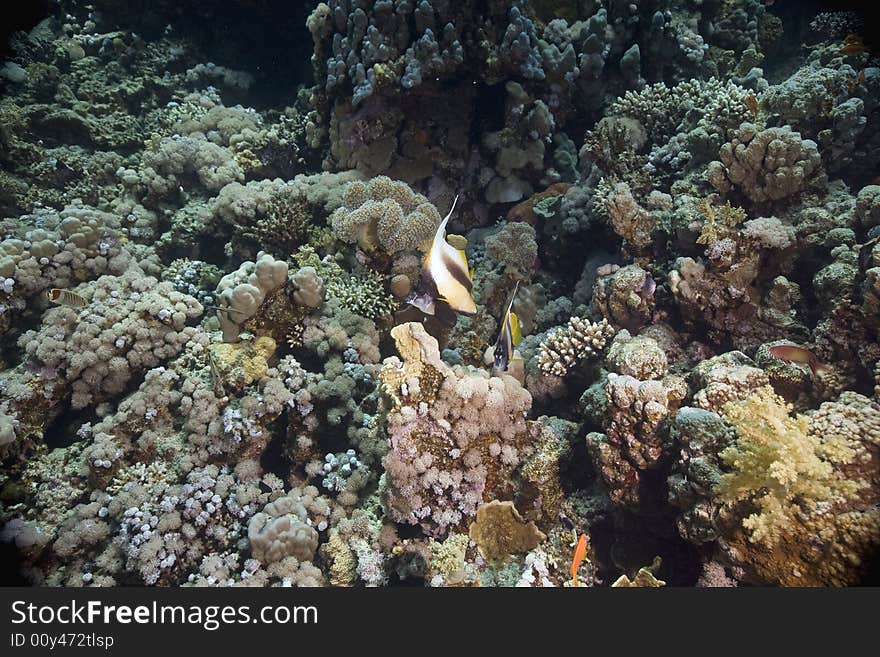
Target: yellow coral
(245, 361)
(448, 558)
(719, 221)
(341, 558)
(813, 480)
(777, 466)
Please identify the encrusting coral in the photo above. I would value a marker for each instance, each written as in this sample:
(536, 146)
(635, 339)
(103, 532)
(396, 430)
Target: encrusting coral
(499, 531)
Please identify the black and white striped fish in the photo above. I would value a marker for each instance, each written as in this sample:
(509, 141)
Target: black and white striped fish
(509, 336)
(445, 277)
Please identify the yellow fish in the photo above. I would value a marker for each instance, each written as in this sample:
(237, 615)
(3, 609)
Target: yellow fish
(508, 337)
(445, 276)
(66, 298)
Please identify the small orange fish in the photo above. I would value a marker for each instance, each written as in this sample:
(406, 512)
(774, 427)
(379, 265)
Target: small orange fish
(791, 354)
(580, 553)
(853, 49)
(854, 83)
(752, 103)
(852, 38)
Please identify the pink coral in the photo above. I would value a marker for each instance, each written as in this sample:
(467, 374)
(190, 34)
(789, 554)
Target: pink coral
(455, 434)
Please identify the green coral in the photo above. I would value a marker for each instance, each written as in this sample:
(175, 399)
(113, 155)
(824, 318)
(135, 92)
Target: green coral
(547, 207)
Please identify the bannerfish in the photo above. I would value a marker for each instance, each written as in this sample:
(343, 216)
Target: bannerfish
(508, 337)
(66, 298)
(580, 553)
(445, 276)
(791, 354)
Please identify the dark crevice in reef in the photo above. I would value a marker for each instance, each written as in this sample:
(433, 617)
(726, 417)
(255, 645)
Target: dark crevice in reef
(266, 38)
(20, 16)
(11, 563)
(272, 458)
(62, 431)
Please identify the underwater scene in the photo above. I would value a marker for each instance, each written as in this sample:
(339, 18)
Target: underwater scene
(366, 293)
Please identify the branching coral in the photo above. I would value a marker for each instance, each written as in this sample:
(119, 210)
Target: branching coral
(810, 502)
(775, 462)
(567, 346)
(718, 221)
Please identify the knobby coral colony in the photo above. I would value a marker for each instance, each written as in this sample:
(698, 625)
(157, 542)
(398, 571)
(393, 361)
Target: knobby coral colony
(216, 368)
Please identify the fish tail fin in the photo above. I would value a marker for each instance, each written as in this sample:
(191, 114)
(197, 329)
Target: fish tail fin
(818, 368)
(442, 227)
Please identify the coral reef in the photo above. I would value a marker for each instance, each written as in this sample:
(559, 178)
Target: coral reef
(217, 366)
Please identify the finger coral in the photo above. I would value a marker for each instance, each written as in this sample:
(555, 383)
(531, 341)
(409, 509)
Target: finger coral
(385, 214)
(567, 346)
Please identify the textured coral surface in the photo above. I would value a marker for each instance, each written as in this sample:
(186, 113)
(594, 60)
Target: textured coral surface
(229, 349)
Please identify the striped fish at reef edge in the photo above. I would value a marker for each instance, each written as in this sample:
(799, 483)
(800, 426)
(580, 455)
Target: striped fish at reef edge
(508, 337)
(66, 298)
(445, 276)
